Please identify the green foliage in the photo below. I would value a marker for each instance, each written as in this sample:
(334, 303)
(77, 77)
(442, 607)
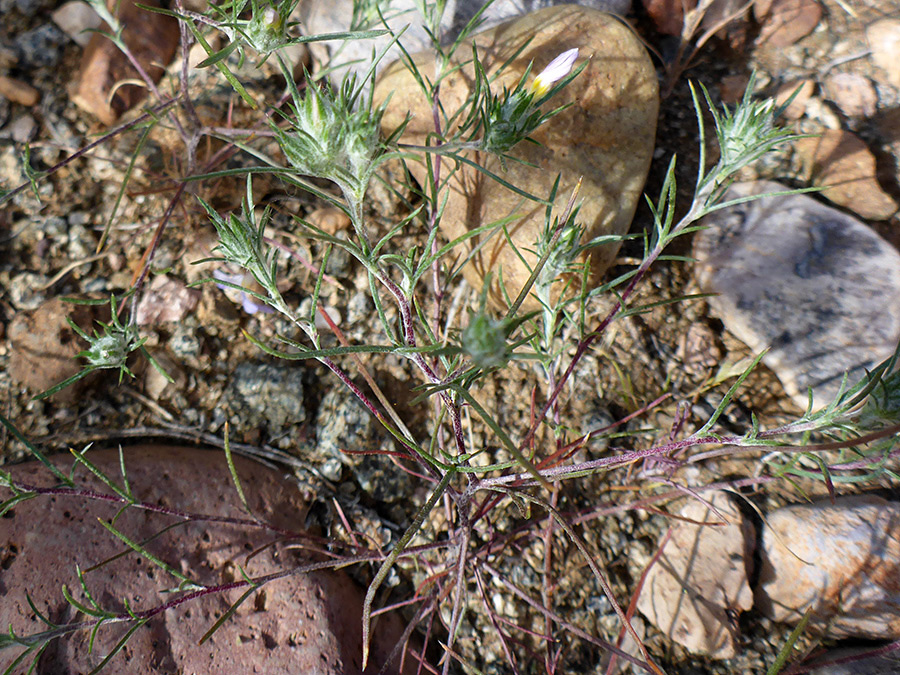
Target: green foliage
(333, 132)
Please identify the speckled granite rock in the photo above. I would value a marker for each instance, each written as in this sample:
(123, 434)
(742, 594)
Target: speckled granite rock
(607, 136)
(841, 560)
(307, 623)
(343, 423)
(264, 395)
(701, 578)
(815, 286)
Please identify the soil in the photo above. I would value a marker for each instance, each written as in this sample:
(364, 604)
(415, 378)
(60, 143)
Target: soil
(48, 250)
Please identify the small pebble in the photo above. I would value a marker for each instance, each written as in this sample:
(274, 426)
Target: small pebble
(784, 22)
(23, 129)
(82, 242)
(40, 47)
(18, 91)
(343, 423)
(167, 299)
(842, 163)
(26, 290)
(263, 395)
(76, 19)
(151, 37)
(797, 107)
(852, 93)
(329, 219)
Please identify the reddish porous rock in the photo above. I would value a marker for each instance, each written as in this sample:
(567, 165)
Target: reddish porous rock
(841, 561)
(304, 623)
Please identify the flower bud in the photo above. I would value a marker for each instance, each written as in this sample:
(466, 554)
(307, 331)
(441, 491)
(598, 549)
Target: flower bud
(484, 340)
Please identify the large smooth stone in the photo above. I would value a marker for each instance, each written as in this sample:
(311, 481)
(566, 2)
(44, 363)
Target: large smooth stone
(606, 135)
(841, 561)
(815, 286)
(306, 623)
(701, 578)
(335, 16)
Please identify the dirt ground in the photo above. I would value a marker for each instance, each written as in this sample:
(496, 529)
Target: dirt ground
(48, 251)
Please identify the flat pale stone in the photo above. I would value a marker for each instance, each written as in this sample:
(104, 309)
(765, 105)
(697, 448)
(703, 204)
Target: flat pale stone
(842, 561)
(701, 577)
(841, 162)
(605, 136)
(815, 286)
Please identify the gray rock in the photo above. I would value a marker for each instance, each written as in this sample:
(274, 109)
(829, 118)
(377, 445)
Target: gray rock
(855, 662)
(815, 286)
(839, 561)
(265, 395)
(40, 47)
(331, 17)
(82, 243)
(343, 423)
(186, 345)
(359, 308)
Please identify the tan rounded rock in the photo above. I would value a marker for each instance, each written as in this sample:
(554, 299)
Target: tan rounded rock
(840, 561)
(305, 623)
(606, 136)
(842, 163)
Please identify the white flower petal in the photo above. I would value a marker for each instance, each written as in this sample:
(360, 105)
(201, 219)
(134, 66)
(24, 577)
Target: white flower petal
(554, 72)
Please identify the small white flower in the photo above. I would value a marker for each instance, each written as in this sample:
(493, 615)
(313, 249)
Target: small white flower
(553, 73)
